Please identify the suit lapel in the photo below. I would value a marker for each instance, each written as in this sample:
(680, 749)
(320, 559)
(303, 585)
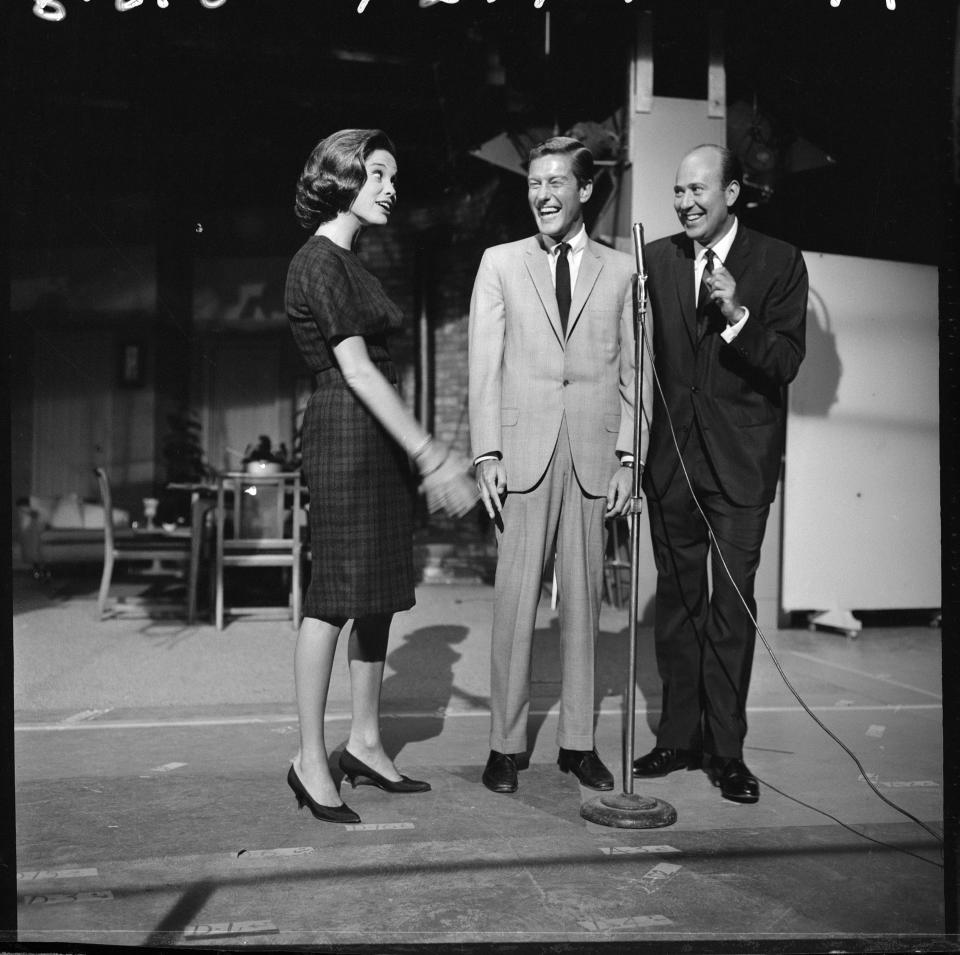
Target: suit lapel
(739, 254)
(683, 285)
(590, 267)
(539, 271)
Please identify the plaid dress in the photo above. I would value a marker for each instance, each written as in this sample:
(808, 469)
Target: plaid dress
(360, 481)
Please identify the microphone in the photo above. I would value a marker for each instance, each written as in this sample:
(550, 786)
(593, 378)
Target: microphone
(638, 246)
(641, 286)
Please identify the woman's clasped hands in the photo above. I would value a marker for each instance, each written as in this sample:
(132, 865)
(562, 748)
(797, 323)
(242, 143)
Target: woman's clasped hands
(445, 479)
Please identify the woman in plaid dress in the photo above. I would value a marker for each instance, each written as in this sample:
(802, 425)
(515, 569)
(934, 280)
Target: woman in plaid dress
(358, 440)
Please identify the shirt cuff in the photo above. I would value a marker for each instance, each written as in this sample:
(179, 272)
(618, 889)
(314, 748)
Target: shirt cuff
(731, 331)
(489, 456)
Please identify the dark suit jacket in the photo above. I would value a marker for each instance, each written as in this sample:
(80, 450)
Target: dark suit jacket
(736, 392)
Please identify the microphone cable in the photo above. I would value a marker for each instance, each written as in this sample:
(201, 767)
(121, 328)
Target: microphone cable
(938, 837)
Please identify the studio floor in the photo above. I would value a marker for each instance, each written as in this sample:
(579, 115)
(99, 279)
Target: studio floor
(152, 808)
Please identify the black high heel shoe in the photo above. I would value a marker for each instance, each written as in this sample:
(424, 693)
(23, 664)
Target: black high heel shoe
(341, 813)
(354, 769)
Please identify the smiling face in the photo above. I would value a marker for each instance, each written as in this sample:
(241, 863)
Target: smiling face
(555, 197)
(703, 205)
(378, 195)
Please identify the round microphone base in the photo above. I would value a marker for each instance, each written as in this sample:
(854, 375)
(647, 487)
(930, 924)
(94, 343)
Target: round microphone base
(629, 811)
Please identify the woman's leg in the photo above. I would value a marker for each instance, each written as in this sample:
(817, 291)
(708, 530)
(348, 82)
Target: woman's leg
(312, 664)
(367, 652)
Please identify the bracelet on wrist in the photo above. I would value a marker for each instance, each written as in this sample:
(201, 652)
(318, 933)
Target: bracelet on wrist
(433, 470)
(421, 448)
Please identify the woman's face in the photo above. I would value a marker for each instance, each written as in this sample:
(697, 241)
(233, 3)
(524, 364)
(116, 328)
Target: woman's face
(378, 195)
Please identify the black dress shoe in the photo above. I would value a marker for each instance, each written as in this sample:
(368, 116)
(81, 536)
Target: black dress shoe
(660, 761)
(500, 774)
(736, 782)
(341, 813)
(587, 766)
(355, 769)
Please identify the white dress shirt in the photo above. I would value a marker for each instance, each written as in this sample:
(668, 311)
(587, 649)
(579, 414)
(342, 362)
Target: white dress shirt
(721, 249)
(577, 244)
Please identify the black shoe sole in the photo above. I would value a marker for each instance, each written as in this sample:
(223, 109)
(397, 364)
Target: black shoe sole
(688, 766)
(499, 788)
(605, 788)
(747, 800)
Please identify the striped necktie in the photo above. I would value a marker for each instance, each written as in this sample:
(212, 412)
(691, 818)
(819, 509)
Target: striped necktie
(703, 297)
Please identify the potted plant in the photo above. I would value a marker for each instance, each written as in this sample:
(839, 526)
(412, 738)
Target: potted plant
(186, 464)
(261, 458)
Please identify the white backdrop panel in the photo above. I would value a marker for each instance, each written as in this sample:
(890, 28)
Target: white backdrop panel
(861, 492)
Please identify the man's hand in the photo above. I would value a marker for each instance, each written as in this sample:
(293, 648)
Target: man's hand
(492, 484)
(723, 291)
(619, 492)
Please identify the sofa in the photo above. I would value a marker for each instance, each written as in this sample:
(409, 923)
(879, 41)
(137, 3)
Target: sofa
(63, 530)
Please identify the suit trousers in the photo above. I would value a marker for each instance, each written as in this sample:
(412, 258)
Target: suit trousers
(555, 510)
(704, 638)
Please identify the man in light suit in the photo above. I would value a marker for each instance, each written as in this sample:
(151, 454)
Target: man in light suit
(551, 425)
(730, 310)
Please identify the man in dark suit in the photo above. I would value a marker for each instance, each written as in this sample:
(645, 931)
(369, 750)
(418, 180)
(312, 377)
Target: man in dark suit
(730, 307)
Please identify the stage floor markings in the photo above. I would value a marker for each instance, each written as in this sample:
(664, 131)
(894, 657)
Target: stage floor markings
(630, 850)
(41, 875)
(625, 924)
(847, 705)
(206, 930)
(880, 677)
(658, 877)
(60, 898)
(268, 853)
(378, 826)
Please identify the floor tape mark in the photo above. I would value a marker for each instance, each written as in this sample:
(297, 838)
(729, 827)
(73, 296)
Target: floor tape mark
(884, 677)
(899, 783)
(86, 715)
(267, 853)
(876, 732)
(41, 874)
(637, 921)
(478, 714)
(631, 850)
(167, 767)
(659, 876)
(372, 826)
(224, 929)
(60, 898)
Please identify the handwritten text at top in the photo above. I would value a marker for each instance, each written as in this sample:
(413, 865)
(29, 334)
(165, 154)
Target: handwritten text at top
(56, 10)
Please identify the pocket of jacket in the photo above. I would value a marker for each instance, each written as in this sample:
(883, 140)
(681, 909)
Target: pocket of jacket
(611, 422)
(509, 417)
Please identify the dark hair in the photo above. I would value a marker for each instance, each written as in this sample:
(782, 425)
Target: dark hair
(334, 174)
(582, 164)
(731, 169)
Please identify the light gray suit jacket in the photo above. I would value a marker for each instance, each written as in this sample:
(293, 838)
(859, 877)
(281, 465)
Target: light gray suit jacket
(524, 377)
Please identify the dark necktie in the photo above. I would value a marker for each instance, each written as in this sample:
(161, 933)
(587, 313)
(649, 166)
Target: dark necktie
(563, 285)
(703, 297)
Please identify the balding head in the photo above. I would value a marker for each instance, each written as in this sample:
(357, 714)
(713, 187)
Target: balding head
(706, 188)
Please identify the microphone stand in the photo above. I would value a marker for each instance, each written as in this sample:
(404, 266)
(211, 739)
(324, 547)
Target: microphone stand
(627, 810)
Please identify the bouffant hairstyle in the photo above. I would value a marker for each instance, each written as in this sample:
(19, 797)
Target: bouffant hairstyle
(334, 173)
(567, 146)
